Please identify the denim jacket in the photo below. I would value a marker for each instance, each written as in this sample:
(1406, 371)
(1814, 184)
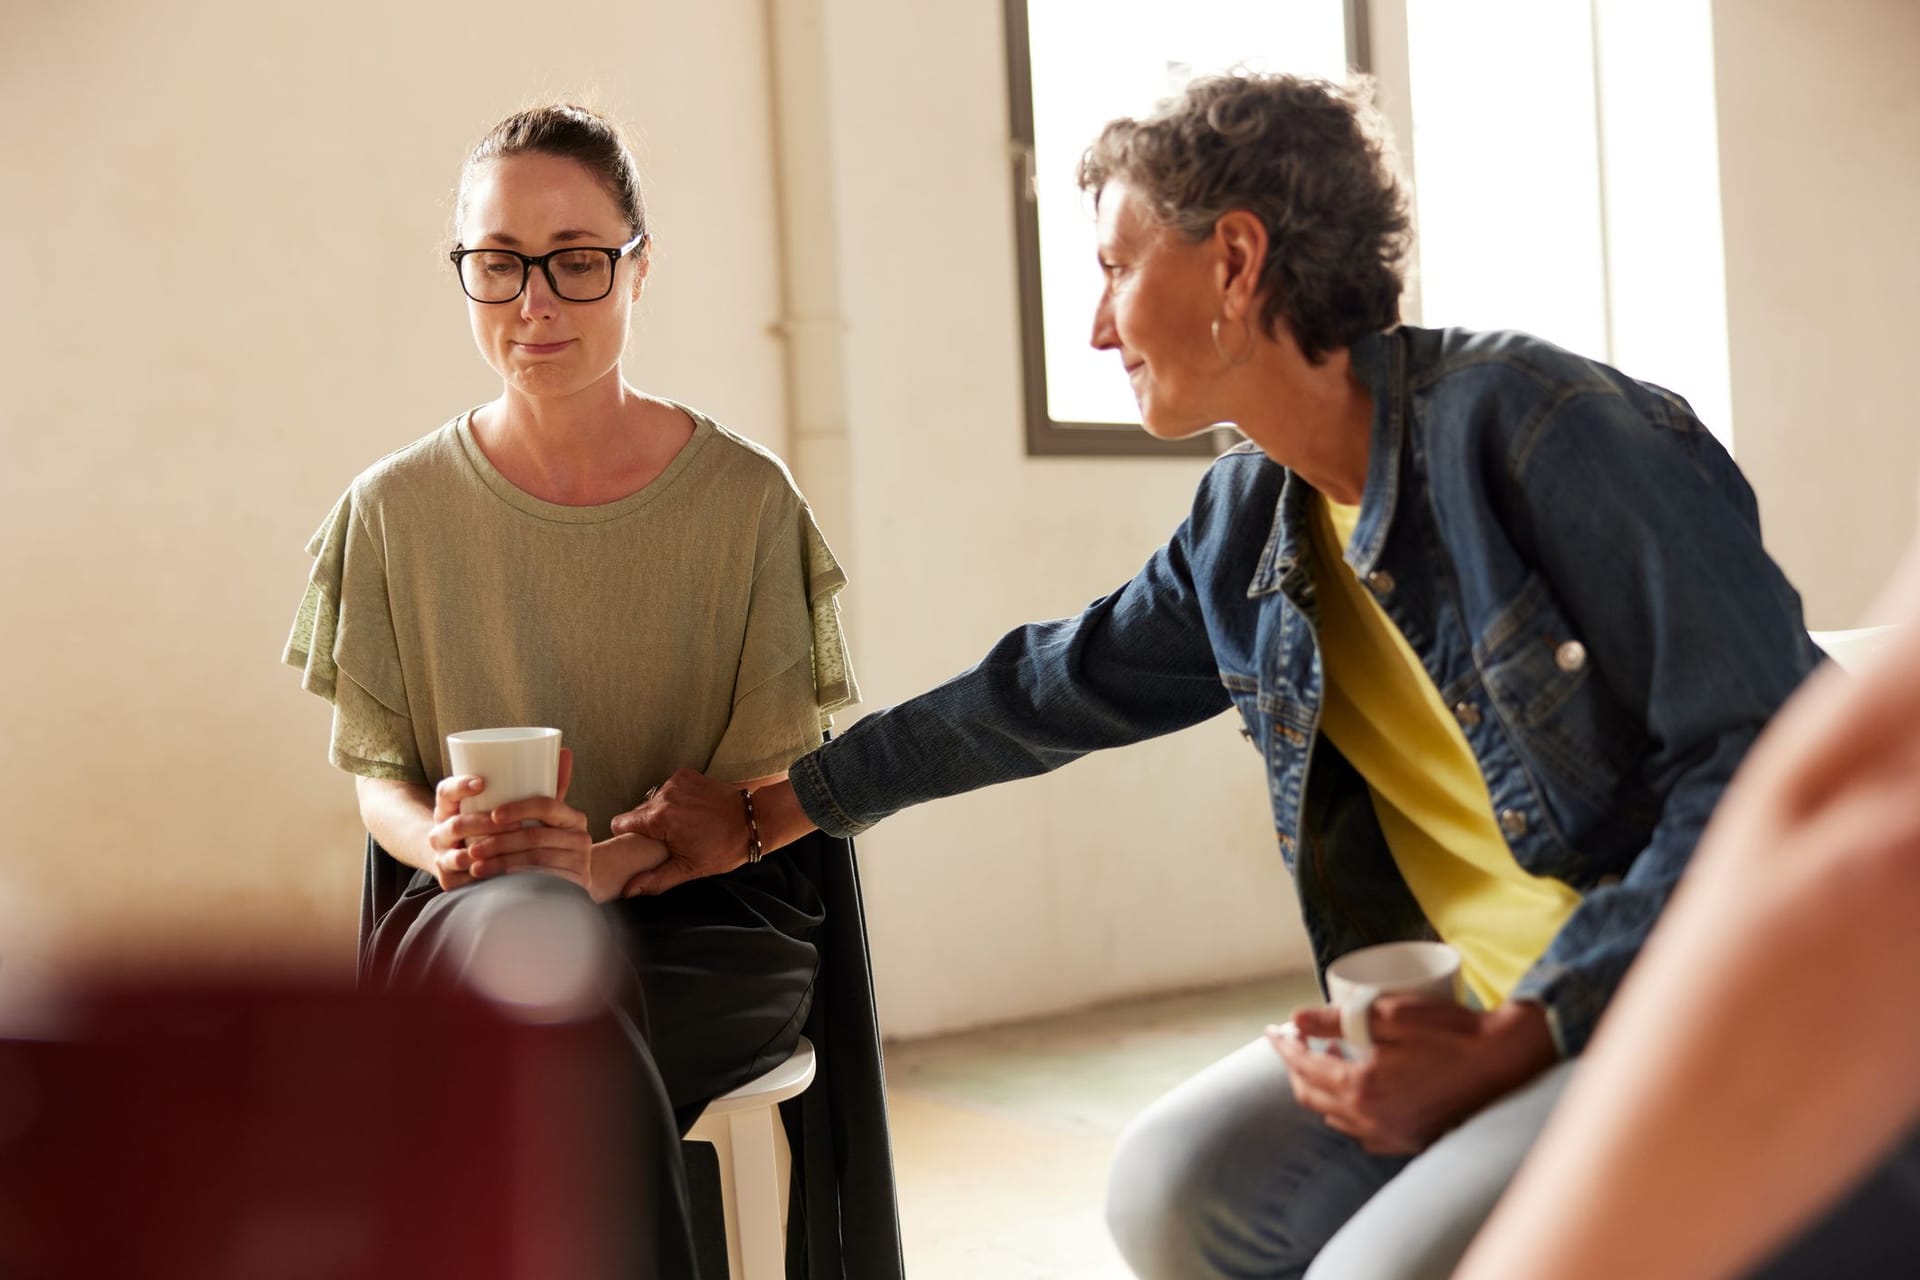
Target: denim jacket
(1576, 561)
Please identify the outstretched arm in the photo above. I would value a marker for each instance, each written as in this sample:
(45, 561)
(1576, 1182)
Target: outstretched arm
(700, 824)
(1134, 664)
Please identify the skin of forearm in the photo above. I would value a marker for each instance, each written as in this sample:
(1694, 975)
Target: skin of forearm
(400, 816)
(1524, 1042)
(1769, 1001)
(1776, 943)
(778, 811)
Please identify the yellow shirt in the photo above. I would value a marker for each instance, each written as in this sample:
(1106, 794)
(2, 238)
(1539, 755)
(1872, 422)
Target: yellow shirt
(1382, 711)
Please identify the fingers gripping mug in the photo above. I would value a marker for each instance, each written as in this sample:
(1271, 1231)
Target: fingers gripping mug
(517, 764)
(1357, 979)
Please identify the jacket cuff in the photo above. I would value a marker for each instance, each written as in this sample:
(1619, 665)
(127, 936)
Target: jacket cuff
(816, 798)
(1573, 1004)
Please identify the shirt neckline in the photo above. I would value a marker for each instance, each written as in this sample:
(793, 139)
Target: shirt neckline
(559, 513)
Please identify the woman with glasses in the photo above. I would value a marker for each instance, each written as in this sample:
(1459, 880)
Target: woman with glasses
(580, 554)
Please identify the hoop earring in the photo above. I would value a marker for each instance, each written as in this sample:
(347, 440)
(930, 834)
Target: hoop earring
(1245, 355)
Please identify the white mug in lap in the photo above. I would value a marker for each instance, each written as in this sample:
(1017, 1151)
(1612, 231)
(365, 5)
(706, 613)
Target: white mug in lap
(1430, 970)
(515, 764)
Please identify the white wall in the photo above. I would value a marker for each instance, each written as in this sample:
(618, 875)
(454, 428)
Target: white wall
(226, 295)
(171, 434)
(1819, 108)
(1149, 868)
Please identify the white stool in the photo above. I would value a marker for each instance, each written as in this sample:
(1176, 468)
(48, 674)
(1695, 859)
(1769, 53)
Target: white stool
(755, 1162)
(1849, 649)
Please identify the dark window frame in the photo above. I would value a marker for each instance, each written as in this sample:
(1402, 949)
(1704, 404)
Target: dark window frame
(1046, 437)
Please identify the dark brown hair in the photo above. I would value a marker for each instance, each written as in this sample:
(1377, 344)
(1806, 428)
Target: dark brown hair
(572, 133)
(1308, 158)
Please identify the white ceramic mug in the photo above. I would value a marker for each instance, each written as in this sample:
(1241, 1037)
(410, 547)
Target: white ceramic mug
(1357, 979)
(516, 764)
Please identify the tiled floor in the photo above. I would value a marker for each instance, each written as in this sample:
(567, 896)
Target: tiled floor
(1001, 1137)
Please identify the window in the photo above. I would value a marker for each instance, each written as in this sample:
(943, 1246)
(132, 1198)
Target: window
(1506, 161)
(1076, 64)
(1551, 191)
(1565, 176)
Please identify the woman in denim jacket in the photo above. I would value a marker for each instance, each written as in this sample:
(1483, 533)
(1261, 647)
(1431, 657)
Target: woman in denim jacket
(1499, 624)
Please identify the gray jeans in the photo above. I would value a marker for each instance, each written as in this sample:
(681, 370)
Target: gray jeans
(1228, 1178)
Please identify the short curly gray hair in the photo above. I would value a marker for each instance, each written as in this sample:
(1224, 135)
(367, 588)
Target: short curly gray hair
(1310, 159)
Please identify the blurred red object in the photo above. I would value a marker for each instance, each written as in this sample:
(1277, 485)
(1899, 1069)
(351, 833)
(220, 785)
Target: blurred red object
(220, 1129)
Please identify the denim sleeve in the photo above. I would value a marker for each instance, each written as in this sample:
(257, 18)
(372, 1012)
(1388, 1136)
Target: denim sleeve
(1134, 665)
(1650, 538)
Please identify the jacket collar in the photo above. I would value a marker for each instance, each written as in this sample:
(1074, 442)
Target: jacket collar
(1380, 361)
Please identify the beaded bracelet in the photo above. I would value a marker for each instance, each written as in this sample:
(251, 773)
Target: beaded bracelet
(753, 827)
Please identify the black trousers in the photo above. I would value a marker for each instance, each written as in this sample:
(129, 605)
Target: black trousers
(713, 981)
(1872, 1233)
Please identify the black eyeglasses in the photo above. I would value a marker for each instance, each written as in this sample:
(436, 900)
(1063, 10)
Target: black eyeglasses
(575, 274)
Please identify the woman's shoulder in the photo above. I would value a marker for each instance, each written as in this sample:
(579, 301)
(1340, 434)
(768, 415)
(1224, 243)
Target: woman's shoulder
(413, 469)
(420, 477)
(745, 462)
(428, 461)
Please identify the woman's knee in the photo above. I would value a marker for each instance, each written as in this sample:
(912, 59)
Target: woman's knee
(1199, 1184)
(1418, 1226)
(1161, 1194)
(533, 941)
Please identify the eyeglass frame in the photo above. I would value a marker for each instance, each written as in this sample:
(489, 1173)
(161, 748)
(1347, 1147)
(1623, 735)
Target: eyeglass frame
(527, 264)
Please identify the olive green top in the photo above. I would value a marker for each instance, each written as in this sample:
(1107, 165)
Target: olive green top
(691, 623)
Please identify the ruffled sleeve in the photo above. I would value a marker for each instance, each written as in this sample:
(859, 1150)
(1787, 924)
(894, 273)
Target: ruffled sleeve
(794, 672)
(343, 643)
(833, 682)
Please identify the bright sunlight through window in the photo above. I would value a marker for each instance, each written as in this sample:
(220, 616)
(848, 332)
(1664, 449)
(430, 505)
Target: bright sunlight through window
(1563, 166)
(1097, 59)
